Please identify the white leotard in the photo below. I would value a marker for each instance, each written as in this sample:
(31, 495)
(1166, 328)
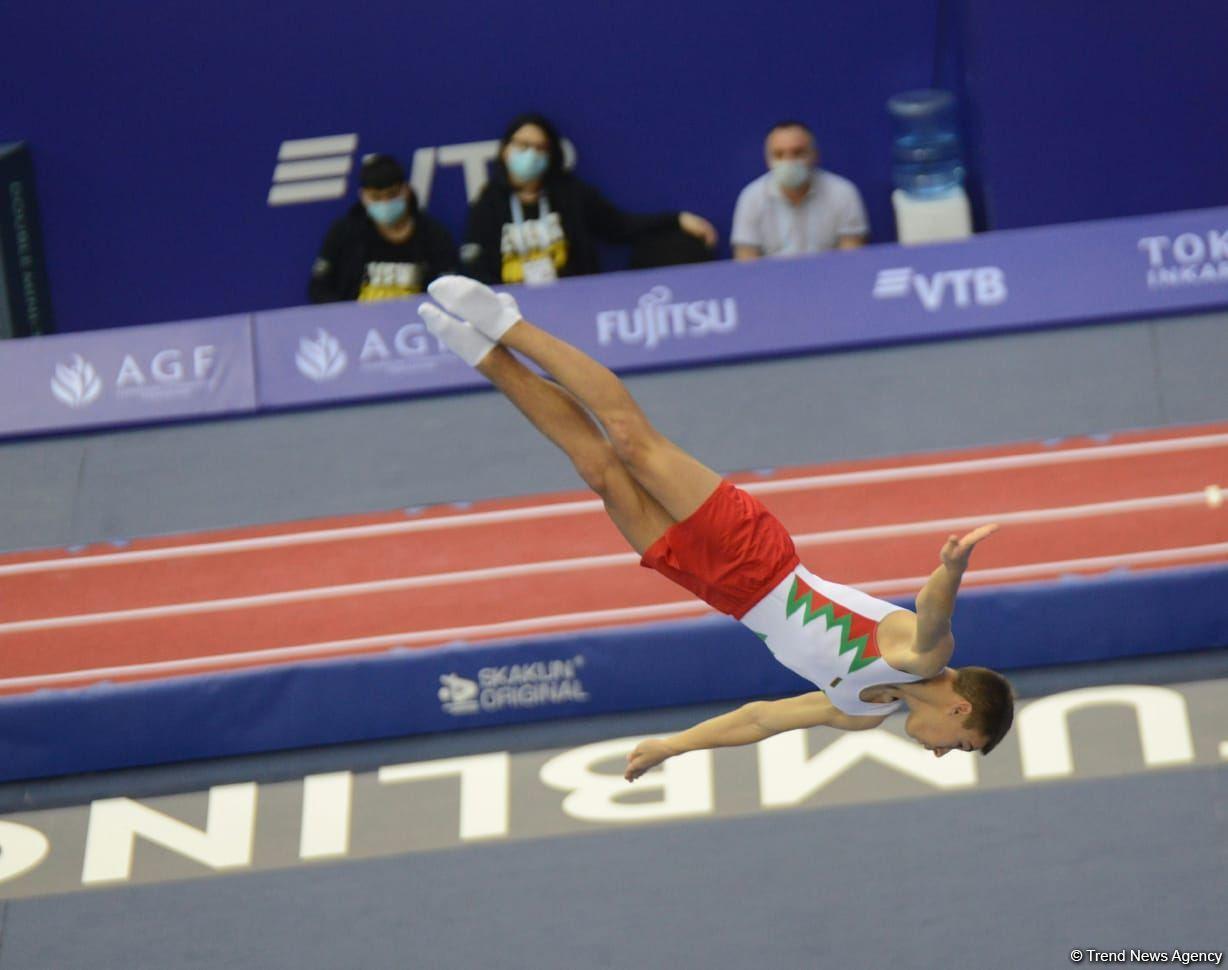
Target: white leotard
(828, 634)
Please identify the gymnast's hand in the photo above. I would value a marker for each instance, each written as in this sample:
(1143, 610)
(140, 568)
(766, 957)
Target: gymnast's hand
(956, 552)
(647, 754)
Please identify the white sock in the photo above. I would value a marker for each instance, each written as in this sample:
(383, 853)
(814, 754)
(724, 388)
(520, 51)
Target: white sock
(469, 345)
(490, 312)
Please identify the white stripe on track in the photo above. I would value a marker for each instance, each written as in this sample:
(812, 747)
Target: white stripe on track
(315, 593)
(1024, 517)
(528, 513)
(306, 651)
(1004, 574)
(517, 570)
(631, 614)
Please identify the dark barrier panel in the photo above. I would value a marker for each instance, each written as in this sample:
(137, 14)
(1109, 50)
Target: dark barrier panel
(25, 296)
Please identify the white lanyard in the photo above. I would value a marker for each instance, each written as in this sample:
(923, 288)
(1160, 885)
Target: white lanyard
(543, 211)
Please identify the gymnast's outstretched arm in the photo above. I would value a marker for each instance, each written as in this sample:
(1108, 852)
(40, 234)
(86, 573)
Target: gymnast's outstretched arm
(748, 724)
(936, 601)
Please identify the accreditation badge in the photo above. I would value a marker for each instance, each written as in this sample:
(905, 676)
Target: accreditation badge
(540, 270)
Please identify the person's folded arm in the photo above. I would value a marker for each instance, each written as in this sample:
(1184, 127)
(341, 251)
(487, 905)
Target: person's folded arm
(854, 225)
(614, 225)
(745, 236)
(482, 253)
(324, 286)
(440, 249)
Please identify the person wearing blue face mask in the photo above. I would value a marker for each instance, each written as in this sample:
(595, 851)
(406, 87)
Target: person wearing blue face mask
(534, 222)
(384, 247)
(796, 207)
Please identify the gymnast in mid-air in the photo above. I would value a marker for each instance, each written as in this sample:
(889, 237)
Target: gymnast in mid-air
(866, 656)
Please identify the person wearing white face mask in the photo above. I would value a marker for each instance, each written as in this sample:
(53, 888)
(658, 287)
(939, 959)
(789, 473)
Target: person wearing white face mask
(796, 207)
(385, 247)
(534, 222)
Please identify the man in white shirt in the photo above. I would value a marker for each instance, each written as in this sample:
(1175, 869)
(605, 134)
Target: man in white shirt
(796, 207)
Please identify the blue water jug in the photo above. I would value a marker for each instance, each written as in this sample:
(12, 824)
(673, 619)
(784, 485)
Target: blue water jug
(925, 146)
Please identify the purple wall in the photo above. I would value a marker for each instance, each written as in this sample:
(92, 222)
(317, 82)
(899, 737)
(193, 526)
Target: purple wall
(1094, 110)
(155, 130)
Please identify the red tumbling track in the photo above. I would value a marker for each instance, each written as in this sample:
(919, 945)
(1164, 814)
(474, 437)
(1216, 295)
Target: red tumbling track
(220, 600)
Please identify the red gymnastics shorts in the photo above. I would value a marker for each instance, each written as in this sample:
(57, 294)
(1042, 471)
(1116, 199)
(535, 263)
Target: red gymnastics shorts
(730, 552)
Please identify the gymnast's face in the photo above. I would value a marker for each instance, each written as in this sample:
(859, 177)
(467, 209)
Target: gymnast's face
(941, 729)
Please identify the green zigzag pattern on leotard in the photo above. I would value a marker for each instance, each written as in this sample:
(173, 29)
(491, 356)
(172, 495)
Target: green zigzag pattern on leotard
(844, 623)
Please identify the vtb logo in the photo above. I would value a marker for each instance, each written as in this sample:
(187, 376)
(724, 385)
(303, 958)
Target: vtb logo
(316, 169)
(982, 286)
(312, 169)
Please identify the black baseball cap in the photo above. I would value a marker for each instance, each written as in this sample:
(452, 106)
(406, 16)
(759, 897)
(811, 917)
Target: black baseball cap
(381, 172)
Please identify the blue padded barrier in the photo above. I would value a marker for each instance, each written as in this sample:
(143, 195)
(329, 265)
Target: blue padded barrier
(410, 691)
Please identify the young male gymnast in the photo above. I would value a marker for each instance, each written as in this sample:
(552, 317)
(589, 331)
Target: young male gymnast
(866, 656)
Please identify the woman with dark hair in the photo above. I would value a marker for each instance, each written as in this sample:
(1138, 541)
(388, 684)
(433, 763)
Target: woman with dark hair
(535, 222)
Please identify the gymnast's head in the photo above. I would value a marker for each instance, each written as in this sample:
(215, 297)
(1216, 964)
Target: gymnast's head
(972, 712)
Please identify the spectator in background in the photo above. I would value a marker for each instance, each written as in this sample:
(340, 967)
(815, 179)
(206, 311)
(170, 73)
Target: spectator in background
(383, 248)
(796, 207)
(534, 222)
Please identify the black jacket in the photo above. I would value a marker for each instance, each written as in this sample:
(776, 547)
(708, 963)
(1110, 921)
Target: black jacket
(353, 241)
(586, 216)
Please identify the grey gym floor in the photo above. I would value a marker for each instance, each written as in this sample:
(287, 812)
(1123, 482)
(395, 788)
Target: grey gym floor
(1011, 874)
